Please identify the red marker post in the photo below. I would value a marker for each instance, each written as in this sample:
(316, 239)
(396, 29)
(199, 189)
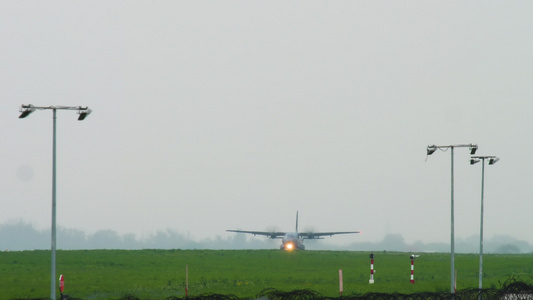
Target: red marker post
(62, 286)
(61, 283)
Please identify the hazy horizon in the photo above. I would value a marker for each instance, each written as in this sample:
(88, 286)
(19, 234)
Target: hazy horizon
(22, 237)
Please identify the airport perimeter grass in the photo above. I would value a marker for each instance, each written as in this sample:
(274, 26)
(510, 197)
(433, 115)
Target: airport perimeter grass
(158, 274)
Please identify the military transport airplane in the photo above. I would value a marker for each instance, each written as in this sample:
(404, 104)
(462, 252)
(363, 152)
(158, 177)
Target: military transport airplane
(293, 240)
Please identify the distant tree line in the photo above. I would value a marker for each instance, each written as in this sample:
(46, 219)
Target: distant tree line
(23, 236)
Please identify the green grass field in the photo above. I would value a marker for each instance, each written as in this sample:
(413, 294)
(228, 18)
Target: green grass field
(158, 274)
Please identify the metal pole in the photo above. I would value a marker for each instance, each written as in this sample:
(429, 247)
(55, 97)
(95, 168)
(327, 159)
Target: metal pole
(430, 150)
(452, 242)
(481, 227)
(53, 274)
(83, 113)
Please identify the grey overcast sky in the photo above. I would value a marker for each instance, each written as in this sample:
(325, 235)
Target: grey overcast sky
(214, 115)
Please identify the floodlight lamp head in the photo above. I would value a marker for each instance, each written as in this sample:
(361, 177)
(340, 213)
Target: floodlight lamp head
(26, 110)
(83, 113)
(474, 161)
(473, 149)
(431, 149)
(493, 160)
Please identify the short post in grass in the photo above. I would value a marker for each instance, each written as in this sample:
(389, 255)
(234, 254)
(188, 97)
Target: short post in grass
(186, 281)
(371, 281)
(340, 282)
(413, 267)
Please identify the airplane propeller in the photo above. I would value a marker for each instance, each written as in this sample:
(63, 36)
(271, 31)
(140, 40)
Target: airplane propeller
(309, 231)
(272, 229)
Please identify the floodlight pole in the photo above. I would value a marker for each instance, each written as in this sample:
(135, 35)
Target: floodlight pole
(474, 160)
(54, 187)
(481, 226)
(430, 150)
(83, 112)
(452, 242)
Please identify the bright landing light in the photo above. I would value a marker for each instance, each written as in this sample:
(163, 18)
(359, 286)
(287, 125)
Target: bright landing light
(289, 246)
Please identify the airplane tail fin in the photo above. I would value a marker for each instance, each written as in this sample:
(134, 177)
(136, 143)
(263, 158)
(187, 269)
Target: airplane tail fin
(296, 221)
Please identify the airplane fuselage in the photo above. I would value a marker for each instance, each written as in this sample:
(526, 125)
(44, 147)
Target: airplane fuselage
(291, 241)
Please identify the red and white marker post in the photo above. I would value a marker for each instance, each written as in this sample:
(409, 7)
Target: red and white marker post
(371, 281)
(413, 267)
(61, 284)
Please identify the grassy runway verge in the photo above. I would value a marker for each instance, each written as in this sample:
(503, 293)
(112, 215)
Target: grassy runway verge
(158, 274)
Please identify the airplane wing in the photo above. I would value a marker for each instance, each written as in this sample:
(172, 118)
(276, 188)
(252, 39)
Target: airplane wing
(270, 234)
(319, 235)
